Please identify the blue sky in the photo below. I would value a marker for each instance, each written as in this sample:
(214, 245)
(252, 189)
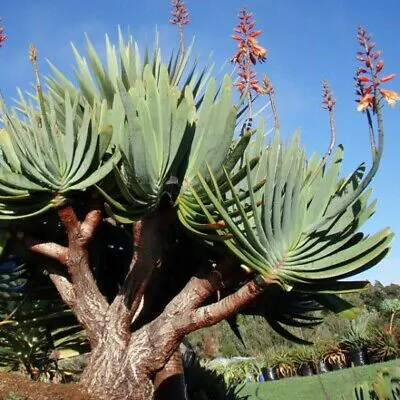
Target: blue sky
(308, 41)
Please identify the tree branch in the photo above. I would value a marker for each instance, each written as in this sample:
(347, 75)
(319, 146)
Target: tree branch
(90, 224)
(184, 313)
(47, 249)
(89, 305)
(228, 306)
(202, 287)
(64, 287)
(69, 220)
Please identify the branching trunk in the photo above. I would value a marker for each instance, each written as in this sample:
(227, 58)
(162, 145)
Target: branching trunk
(145, 363)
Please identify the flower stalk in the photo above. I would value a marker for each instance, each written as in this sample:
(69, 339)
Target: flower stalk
(180, 17)
(269, 90)
(369, 101)
(328, 103)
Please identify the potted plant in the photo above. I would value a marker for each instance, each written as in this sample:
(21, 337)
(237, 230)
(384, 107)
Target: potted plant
(384, 346)
(266, 364)
(320, 365)
(283, 362)
(236, 370)
(250, 370)
(356, 340)
(304, 357)
(258, 367)
(334, 355)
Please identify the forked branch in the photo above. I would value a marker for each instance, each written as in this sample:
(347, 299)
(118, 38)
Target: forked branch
(228, 306)
(90, 305)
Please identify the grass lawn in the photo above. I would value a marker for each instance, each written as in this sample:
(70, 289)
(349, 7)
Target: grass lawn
(338, 385)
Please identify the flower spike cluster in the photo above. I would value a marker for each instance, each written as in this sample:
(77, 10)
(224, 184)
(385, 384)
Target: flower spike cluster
(367, 77)
(180, 14)
(3, 37)
(248, 53)
(328, 102)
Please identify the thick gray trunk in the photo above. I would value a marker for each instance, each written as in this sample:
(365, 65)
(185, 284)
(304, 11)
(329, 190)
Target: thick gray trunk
(118, 372)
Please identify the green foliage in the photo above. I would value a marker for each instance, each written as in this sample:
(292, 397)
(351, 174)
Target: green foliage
(34, 323)
(235, 371)
(257, 336)
(205, 384)
(303, 355)
(14, 396)
(385, 345)
(43, 163)
(284, 361)
(386, 386)
(291, 237)
(378, 293)
(359, 334)
(390, 305)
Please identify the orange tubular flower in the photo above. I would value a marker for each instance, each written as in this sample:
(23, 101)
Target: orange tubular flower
(388, 78)
(248, 53)
(369, 86)
(248, 45)
(390, 96)
(2, 36)
(365, 102)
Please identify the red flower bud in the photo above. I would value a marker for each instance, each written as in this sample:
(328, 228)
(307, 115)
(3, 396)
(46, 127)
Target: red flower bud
(379, 66)
(236, 37)
(255, 34)
(388, 78)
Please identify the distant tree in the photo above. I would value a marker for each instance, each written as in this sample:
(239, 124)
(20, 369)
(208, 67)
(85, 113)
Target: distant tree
(391, 306)
(373, 297)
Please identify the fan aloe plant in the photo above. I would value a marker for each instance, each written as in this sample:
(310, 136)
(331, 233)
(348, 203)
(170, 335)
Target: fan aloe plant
(155, 215)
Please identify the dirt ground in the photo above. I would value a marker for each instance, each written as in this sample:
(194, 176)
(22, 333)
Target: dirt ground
(16, 387)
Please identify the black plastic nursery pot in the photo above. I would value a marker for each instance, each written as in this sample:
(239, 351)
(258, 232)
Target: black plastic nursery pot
(269, 374)
(306, 370)
(337, 366)
(358, 357)
(321, 367)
